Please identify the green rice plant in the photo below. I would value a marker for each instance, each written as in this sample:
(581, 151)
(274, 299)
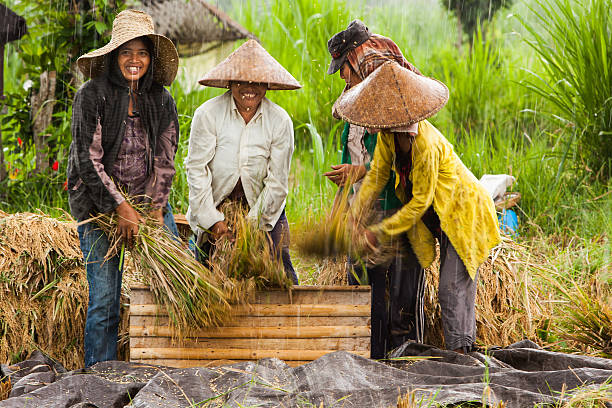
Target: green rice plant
(191, 293)
(478, 85)
(309, 190)
(586, 315)
(43, 192)
(574, 42)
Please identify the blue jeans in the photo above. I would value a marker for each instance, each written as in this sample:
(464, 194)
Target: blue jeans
(104, 278)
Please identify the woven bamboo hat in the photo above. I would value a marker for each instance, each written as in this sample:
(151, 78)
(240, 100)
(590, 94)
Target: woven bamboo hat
(250, 63)
(130, 24)
(391, 97)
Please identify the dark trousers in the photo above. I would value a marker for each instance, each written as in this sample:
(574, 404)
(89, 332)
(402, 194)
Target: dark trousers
(280, 243)
(397, 299)
(457, 296)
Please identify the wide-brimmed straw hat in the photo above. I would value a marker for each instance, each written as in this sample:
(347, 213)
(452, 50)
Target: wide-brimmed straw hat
(391, 97)
(250, 63)
(128, 25)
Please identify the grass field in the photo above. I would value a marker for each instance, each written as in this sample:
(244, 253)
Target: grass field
(497, 118)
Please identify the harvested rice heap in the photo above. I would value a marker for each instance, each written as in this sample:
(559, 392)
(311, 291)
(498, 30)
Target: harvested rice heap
(43, 288)
(44, 291)
(508, 304)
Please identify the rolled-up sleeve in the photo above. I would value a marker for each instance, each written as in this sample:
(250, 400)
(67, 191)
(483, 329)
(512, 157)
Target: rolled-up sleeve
(271, 201)
(202, 213)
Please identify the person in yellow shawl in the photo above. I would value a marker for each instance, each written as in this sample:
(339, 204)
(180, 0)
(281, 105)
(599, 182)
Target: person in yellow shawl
(441, 197)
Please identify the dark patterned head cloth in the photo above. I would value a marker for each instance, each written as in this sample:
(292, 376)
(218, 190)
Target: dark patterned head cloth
(363, 50)
(374, 52)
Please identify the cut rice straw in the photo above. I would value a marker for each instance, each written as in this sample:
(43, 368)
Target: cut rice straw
(247, 258)
(340, 233)
(191, 293)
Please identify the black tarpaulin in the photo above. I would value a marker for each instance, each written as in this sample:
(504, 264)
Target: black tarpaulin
(521, 376)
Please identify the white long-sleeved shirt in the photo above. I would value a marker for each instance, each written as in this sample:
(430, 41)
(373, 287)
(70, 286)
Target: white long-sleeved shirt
(223, 149)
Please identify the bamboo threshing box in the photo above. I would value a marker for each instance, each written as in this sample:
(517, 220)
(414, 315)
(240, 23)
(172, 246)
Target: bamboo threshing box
(297, 325)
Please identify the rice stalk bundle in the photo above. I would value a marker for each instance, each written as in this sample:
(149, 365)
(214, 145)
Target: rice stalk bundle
(44, 288)
(247, 259)
(32, 248)
(338, 233)
(190, 292)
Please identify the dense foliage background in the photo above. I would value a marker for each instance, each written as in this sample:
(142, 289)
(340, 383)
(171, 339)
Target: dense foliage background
(531, 95)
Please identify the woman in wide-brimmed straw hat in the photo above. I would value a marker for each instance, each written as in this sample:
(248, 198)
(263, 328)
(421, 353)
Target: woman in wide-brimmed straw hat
(240, 149)
(441, 197)
(396, 304)
(124, 139)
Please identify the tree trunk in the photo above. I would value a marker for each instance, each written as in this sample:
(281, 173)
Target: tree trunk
(2, 166)
(459, 27)
(43, 102)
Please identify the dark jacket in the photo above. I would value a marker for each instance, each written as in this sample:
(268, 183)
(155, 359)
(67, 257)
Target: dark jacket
(106, 99)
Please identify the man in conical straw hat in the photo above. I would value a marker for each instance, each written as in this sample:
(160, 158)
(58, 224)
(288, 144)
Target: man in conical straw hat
(124, 138)
(442, 198)
(397, 310)
(240, 149)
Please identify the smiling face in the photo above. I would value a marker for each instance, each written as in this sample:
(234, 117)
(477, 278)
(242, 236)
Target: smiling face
(134, 60)
(349, 76)
(247, 95)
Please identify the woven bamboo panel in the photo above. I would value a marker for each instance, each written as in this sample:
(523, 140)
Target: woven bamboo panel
(297, 326)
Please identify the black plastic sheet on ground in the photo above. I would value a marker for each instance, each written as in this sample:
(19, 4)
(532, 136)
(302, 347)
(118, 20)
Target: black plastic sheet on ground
(521, 375)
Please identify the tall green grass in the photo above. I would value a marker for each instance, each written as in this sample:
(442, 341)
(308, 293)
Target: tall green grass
(492, 121)
(574, 41)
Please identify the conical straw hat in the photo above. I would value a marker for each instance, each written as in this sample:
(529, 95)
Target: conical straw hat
(250, 63)
(391, 97)
(130, 24)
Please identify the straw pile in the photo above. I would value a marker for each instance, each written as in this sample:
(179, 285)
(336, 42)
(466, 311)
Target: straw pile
(43, 288)
(509, 306)
(508, 303)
